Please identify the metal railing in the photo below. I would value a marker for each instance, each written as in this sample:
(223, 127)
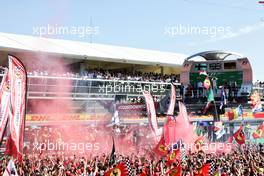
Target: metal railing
(48, 87)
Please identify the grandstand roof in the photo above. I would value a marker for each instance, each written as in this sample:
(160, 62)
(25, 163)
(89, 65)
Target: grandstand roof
(90, 51)
(215, 55)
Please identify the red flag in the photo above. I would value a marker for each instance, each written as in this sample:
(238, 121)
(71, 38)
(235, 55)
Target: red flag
(205, 170)
(259, 133)
(10, 147)
(183, 125)
(231, 115)
(17, 74)
(161, 148)
(172, 100)
(239, 136)
(120, 170)
(173, 156)
(175, 171)
(4, 103)
(170, 130)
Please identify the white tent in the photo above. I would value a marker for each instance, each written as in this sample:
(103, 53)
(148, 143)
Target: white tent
(92, 51)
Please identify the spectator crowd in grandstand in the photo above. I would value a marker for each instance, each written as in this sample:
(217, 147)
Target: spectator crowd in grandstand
(113, 75)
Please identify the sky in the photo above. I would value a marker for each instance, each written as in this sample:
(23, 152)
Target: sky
(180, 26)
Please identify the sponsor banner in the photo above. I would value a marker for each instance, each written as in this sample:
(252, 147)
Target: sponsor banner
(131, 110)
(17, 76)
(61, 117)
(131, 107)
(4, 103)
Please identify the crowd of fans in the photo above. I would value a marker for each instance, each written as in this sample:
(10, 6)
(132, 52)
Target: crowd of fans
(128, 135)
(137, 76)
(245, 161)
(113, 75)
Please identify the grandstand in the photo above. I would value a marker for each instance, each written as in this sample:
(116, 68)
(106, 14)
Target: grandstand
(90, 76)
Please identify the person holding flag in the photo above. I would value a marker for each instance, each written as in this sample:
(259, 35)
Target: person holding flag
(210, 95)
(200, 84)
(210, 99)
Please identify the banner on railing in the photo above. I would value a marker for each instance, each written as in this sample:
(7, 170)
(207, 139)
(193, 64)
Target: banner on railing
(65, 117)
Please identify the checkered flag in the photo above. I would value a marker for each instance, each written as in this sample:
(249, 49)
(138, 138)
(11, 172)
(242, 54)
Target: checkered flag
(182, 153)
(128, 167)
(212, 169)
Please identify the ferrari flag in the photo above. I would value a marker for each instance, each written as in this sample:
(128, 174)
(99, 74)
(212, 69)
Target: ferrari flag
(239, 136)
